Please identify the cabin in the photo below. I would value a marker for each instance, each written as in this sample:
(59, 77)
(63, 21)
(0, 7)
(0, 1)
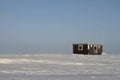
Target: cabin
(87, 49)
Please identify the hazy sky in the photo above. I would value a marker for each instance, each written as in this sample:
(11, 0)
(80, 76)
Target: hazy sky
(52, 26)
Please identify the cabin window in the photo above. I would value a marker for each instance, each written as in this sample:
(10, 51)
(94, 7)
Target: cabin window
(80, 47)
(95, 48)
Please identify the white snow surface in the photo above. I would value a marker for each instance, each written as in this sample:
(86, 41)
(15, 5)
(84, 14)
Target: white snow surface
(59, 67)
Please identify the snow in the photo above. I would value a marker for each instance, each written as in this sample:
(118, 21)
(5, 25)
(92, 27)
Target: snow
(59, 67)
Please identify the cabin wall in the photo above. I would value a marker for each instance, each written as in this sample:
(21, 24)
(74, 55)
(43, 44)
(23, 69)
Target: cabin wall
(80, 49)
(95, 49)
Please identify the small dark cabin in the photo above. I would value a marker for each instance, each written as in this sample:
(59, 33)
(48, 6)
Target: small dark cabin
(87, 49)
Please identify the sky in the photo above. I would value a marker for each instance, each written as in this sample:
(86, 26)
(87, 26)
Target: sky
(52, 26)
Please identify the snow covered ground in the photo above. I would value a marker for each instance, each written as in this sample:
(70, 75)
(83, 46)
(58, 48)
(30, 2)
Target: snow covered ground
(59, 67)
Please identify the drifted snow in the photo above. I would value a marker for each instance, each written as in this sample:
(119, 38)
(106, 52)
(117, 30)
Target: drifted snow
(59, 66)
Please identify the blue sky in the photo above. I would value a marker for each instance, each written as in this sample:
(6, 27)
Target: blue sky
(52, 26)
